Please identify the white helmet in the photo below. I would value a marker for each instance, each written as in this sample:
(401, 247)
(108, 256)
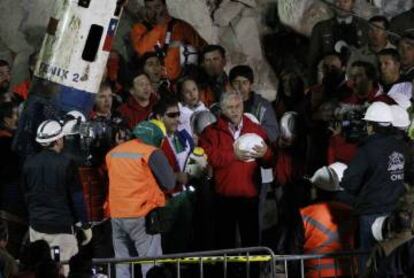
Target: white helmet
(72, 122)
(76, 115)
(188, 55)
(401, 119)
(200, 120)
(248, 141)
(338, 168)
(328, 177)
(289, 125)
(379, 112)
(48, 132)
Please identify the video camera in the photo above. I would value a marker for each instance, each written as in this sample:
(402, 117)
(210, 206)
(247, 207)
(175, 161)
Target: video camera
(100, 135)
(350, 119)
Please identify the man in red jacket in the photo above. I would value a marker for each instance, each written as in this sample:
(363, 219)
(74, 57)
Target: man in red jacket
(140, 102)
(236, 173)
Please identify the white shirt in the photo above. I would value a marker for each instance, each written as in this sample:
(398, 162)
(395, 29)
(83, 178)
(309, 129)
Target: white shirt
(236, 130)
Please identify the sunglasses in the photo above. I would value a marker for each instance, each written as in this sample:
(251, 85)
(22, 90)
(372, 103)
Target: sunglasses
(173, 114)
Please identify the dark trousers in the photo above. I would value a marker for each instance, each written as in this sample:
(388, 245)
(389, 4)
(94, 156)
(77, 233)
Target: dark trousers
(237, 212)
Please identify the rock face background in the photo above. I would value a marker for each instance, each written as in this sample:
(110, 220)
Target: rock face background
(239, 25)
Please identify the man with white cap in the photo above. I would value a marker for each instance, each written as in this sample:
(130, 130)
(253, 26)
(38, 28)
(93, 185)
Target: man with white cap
(375, 177)
(328, 225)
(53, 194)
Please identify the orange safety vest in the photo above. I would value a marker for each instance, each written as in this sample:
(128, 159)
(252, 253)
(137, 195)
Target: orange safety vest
(328, 229)
(133, 189)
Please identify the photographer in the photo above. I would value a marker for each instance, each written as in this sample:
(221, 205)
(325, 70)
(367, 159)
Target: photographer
(348, 129)
(108, 130)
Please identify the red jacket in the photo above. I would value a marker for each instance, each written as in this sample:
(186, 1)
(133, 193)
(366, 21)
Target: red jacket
(133, 113)
(233, 178)
(373, 96)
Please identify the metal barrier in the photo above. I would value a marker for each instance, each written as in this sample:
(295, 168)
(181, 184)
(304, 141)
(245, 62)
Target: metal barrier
(265, 262)
(244, 256)
(344, 264)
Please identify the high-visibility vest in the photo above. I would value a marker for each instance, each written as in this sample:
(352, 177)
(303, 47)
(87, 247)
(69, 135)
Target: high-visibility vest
(328, 229)
(133, 189)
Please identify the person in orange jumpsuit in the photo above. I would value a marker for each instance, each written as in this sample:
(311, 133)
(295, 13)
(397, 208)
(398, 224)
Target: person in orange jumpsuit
(165, 35)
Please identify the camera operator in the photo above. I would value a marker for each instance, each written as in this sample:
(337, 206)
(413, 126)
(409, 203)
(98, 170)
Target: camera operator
(375, 176)
(108, 130)
(321, 101)
(117, 130)
(349, 128)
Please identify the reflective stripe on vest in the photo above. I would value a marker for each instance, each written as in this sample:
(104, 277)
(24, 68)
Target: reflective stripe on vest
(331, 236)
(127, 155)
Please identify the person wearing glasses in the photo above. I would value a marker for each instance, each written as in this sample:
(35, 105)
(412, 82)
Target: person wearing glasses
(177, 146)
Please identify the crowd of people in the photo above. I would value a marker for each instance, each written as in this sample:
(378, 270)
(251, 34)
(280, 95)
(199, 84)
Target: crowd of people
(178, 155)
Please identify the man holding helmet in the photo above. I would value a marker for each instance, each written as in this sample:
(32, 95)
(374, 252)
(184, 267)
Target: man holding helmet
(375, 176)
(235, 172)
(53, 194)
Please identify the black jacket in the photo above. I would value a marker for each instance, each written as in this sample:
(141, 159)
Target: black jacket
(53, 193)
(375, 177)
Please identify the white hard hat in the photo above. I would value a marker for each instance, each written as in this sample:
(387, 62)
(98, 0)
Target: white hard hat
(248, 141)
(200, 120)
(252, 117)
(188, 55)
(70, 124)
(288, 125)
(76, 115)
(379, 112)
(328, 177)
(338, 168)
(48, 132)
(70, 127)
(401, 119)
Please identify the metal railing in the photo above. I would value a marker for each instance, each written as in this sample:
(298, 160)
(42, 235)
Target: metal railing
(246, 256)
(262, 259)
(344, 264)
